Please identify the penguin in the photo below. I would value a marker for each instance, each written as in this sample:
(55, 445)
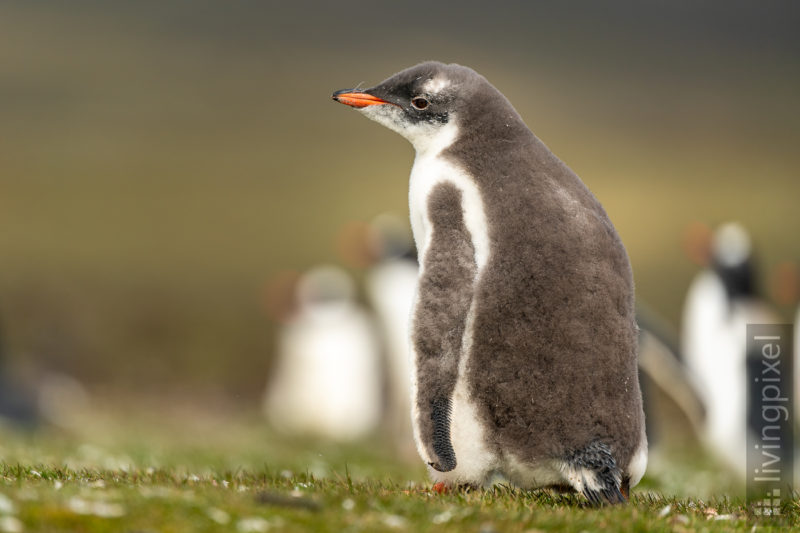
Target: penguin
(391, 283)
(784, 288)
(524, 339)
(722, 299)
(17, 402)
(796, 379)
(328, 378)
(796, 369)
(664, 376)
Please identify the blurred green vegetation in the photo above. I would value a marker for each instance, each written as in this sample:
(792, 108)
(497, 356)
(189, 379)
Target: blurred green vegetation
(160, 161)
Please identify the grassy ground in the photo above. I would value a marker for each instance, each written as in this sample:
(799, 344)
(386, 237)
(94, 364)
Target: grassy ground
(190, 473)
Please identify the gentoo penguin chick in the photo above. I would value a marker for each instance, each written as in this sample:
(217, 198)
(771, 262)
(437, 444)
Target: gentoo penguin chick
(524, 337)
(327, 382)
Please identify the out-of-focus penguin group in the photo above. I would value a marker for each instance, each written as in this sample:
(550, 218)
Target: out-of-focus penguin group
(342, 365)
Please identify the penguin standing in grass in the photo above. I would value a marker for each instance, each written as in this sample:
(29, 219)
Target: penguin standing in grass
(524, 336)
(721, 301)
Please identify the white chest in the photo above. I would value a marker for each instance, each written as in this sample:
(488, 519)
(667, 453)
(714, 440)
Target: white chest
(429, 171)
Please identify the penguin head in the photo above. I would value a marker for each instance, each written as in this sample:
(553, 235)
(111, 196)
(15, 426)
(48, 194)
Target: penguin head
(422, 103)
(732, 260)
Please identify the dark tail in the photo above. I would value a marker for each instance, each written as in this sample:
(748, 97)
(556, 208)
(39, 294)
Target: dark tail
(595, 461)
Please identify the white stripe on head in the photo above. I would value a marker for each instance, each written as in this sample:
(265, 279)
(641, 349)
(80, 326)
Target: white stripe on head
(435, 85)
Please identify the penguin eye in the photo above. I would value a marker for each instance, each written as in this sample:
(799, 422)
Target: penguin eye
(419, 102)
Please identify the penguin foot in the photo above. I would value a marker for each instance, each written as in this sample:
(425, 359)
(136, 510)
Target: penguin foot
(440, 488)
(625, 488)
(593, 472)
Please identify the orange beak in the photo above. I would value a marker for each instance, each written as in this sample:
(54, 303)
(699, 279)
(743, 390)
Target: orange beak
(357, 99)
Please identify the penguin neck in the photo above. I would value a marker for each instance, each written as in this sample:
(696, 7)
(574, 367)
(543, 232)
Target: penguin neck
(431, 143)
(738, 280)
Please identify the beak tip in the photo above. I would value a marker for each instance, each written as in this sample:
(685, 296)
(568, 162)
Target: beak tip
(336, 94)
(356, 98)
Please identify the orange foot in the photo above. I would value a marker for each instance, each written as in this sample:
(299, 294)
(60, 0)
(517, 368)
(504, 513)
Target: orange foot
(439, 488)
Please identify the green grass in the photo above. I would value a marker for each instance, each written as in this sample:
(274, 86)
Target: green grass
(51, 498)
(205, 473)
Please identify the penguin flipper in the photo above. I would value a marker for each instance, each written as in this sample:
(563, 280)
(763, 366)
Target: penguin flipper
(593, 472)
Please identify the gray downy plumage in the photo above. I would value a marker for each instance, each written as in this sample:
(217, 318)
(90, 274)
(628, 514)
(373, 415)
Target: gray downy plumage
(524, 335)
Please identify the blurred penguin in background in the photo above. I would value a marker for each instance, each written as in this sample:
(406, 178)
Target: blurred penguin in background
(722, 299)
(41, 396)
(17, 403)
(674, 410)
(391, 284)
(785, 290)
(327, 378)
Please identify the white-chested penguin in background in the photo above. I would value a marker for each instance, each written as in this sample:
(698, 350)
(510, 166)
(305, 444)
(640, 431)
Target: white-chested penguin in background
(391, 283)
(721, 301)
(523, 335)
(327, 380)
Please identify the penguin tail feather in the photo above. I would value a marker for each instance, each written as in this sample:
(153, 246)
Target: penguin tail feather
(593, 472)
(611, 495)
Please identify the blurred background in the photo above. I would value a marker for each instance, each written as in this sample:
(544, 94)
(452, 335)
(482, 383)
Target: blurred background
(163, 163)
